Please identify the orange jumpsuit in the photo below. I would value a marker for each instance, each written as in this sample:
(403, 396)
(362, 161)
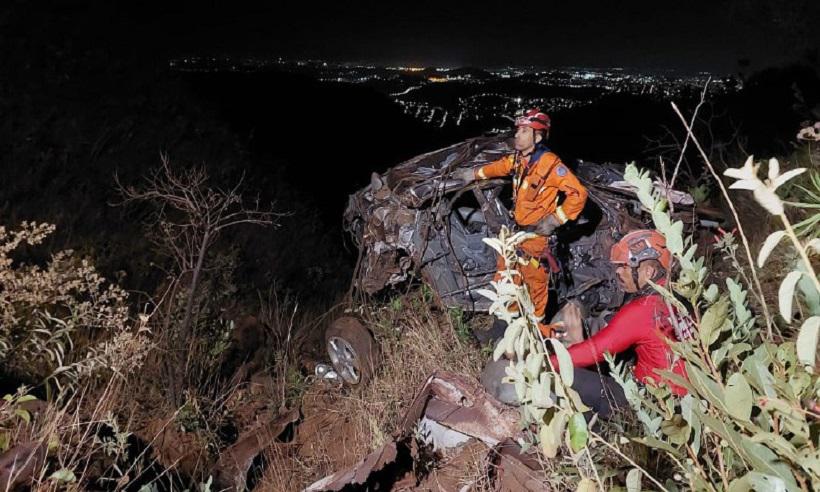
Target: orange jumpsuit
(536, 183)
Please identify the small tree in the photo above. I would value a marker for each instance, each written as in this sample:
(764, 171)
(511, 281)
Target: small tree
(188, 217)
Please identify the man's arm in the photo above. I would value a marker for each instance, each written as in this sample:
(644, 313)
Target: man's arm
(575, 194)
(496, 169)
(624, 330)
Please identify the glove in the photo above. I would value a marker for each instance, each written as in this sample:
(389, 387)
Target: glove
(546, 226)
(571, 324)
(466, 174)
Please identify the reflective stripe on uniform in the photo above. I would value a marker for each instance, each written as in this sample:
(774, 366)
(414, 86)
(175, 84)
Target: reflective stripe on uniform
(562, 217)
(533, 262)
(480, 173)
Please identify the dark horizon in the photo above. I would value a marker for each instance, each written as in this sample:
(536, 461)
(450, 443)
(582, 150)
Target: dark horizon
(715, 36)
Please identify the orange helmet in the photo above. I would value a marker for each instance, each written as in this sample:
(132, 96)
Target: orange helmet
(641, 245)
(535, 119)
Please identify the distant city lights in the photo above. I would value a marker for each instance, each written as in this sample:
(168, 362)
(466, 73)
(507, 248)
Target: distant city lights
(478, 96)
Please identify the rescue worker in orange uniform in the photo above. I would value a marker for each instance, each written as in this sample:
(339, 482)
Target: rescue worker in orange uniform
(538, 178)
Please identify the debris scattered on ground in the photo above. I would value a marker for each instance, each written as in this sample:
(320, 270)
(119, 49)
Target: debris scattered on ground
(456, 416)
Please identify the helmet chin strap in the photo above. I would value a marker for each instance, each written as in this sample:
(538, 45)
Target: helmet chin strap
(659, 273)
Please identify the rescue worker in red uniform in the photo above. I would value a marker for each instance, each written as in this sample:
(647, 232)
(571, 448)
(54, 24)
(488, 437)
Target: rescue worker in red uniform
(644, 324)
(538, 178)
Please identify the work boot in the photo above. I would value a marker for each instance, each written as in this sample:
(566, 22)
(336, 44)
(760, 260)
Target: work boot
(496, 332)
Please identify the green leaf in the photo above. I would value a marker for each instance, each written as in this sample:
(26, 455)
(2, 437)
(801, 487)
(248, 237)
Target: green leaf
(535, 362)
(676, 429)
(712, 320)
(807, 341)
(785, 294)
(63, 475)
(23, 414)
(495, 244)
(766, 483)
(687, 403)
(676, 379)
(739, 485)
(719, 354)
(738, 296)
(706, 386)
(738, 349)
(575, 398)
(552, 434)
(565, 367)
(578, 432)
(756, 369)
(810, 460)
(811, 296)
(674, 238)
(488, 294)
(757, 455)
(790, 415)
(778, 443)
(768, 246)
(520, 388)
(633, 480)
(777, 182)
(500, 348)
(799, 382)
(587, 485)
(739, 397)
(658, 444)
(786, 354)
(541, 392)
(711, 294)
(26, 398)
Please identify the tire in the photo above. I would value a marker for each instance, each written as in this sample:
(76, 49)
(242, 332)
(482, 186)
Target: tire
(352, 349)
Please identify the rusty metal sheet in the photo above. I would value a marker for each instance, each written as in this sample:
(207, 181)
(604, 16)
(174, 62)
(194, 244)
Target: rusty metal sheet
(462, 404)
(514, 470)
(358, 473)
(20, 463)
(231, 471)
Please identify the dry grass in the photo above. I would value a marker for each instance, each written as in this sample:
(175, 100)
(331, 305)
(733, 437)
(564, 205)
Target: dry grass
(79, 433)
(342, 425)
(416, 341)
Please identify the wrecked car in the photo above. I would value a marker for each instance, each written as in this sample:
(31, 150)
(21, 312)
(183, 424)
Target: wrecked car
(416, 222)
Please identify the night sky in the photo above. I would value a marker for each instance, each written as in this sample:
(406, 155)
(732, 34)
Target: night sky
(693, 35)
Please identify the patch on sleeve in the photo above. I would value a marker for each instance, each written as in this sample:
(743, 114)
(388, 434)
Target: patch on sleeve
(561, 170)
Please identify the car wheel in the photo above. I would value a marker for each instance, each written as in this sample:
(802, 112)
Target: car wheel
(352, 349)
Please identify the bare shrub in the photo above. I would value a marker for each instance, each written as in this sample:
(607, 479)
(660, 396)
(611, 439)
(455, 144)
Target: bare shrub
(187, 217)
(62, 321)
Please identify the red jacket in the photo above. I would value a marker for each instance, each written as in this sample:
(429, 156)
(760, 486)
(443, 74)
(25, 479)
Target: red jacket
(642, 323)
